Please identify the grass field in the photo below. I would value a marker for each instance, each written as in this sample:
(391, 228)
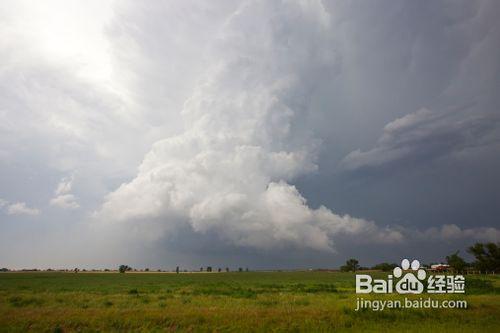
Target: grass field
(223, 302)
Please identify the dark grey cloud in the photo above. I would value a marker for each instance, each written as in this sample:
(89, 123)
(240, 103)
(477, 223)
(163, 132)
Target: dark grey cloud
(424, 135)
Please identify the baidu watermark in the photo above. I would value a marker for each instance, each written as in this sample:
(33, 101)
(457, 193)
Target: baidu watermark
(406, 303)
(410, 278)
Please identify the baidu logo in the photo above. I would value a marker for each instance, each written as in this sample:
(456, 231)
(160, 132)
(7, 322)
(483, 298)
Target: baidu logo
(410, 283)
(410, 278)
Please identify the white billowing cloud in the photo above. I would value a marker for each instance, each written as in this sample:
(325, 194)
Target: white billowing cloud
(3, 202)
(229, 171)
(63, 198)
(425, 135)
(66, 201)
(20, 208)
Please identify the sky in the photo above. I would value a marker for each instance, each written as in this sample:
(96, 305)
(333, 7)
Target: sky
(261, 134)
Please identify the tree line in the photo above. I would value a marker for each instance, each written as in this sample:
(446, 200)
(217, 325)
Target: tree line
(126, 268)
(487, 260)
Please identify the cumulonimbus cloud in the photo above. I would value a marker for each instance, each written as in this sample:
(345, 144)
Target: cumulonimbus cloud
(230, 171)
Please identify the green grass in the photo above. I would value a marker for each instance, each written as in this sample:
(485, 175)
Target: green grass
(225, 302)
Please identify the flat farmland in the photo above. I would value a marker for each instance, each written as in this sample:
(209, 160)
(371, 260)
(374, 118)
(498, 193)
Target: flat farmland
(311, 301)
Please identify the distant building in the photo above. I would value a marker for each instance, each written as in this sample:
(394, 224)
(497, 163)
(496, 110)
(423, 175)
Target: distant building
(440, 267)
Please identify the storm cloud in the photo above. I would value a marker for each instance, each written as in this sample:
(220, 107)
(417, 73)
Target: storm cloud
(247, 130)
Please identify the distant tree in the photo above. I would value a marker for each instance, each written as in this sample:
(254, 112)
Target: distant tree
(124, 268)
(177, 269)
(4, 269)
(209, 268)
(456, 262)
(219, 269)
(227, 269)
(385, 267)
(246, 269)
(201, 269)
(240, 269)
(351, 265)
(75, 270)
(146, 269)
(487, 256)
